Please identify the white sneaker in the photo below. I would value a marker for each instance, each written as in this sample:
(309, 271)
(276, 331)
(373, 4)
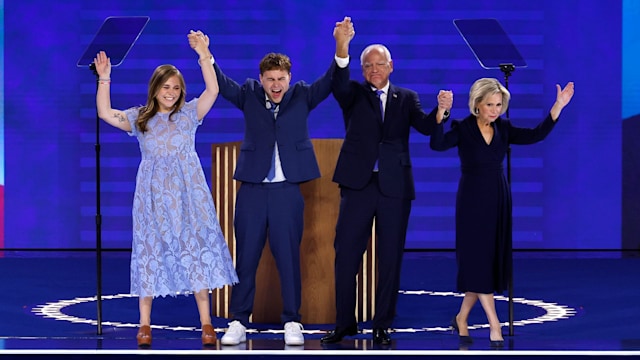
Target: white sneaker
(293, 333)
(236, 333)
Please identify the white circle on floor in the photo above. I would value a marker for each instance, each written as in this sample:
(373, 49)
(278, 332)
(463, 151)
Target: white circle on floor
(553, 312)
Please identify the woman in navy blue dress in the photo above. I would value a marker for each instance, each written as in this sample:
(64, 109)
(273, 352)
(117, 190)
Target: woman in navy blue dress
(483, 202)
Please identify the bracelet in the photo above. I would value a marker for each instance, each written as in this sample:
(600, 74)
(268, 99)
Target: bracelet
(109, 79)
(211, 60)
(104, 82)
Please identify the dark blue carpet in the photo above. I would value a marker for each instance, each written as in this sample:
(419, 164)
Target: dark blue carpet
(600, 291)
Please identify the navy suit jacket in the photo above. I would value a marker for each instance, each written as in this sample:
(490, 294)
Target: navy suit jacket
(290, 130)
(368, 138)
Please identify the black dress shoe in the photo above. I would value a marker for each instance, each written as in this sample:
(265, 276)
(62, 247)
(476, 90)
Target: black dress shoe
(339, 333)
(381, 336)
(464, 339)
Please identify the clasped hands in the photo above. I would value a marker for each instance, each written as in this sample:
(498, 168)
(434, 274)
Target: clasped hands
(445, 100)
(199, 42)
(344, 30)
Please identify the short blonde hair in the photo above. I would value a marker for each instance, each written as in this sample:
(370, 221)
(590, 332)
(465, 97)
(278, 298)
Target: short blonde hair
(484, 87)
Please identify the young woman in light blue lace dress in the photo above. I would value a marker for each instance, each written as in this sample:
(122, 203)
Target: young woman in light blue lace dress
(178, 246)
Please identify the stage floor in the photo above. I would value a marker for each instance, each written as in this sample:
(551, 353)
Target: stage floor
(565, 303)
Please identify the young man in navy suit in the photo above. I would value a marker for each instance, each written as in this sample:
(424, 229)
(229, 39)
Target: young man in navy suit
(276, 156)
(376, 181)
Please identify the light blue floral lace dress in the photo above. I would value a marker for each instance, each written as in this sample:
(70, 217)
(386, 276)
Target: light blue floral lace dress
(178, 246)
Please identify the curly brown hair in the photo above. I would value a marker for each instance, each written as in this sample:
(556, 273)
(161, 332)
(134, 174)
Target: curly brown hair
(275, 61)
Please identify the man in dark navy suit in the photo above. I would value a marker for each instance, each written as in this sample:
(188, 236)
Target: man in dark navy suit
(276, 156)
(376, 181)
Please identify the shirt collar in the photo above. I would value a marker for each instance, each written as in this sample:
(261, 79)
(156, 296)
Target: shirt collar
(385, 88)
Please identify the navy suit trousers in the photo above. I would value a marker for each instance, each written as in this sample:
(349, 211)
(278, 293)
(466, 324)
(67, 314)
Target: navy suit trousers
(353, 231)
(276, 211)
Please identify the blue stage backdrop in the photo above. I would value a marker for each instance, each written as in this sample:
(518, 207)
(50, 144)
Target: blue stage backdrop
(567, 190)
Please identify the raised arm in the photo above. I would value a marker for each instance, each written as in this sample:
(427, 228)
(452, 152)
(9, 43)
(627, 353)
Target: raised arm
(113, 117)
(445, 103)
(321, 88)
(200, 43)
(343, 33)
(524, 136)
(562, 99)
